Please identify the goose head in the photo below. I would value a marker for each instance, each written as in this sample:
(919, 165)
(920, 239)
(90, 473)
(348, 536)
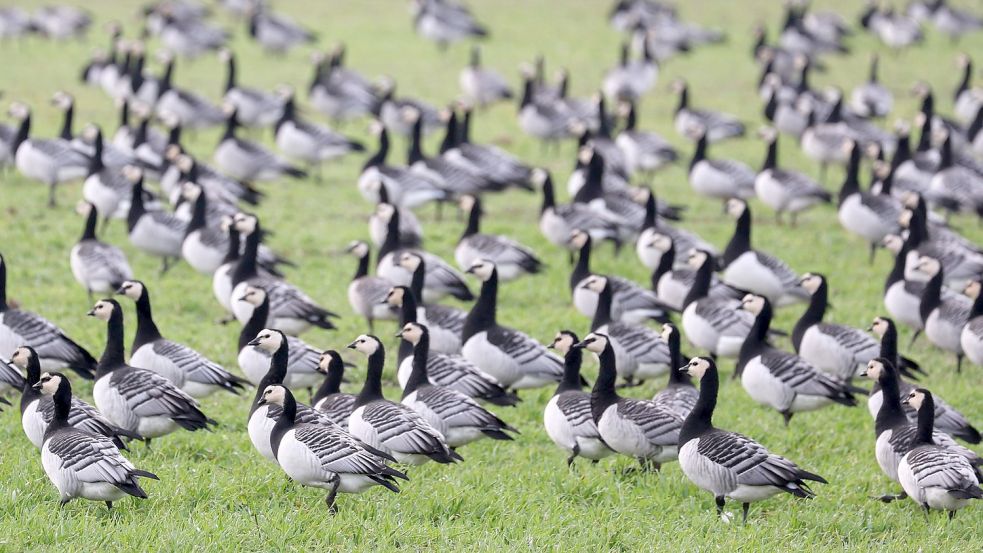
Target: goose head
(253, 296)
(410, 261)
(564, 341)
(893, 243)
(328, 358)
(753, 304)
(875, 368)
(245, 223)
(483, 269)
(660, 242)
(22, 356)
(811, 282)
(697, 367)
(268, 340)
(274, 394)
(132, 289)
(358, 248)
(595, 283)
(365, 344)
(578, 238)
(972, 289)
(667, 330)
(49, 383)
(103, 309)
(697, 258)
(916, 398)
(593, 342)
(928, 266)
(190, 191)
(879, 326)
(395, 296)
(735, 207)
(412, 333)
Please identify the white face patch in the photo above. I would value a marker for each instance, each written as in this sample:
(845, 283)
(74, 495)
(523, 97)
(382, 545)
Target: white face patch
(410, 261)
(929, 265)
(811, 282)
(697, 367)
(874, 369)
(366, 344)
(20, 357)
(735, 207)
(395, 297)
(385, 211)
(102, 310)
(696, 259)
(275, 394)
(905, 218)
(482, 269)
(467, 202)
(666, 332)
(578, 238)
(132, 289)
(915, 399)
(879, 327)
(254, 296)
(50, 383)
(753, 304)
(595, 342)
(269, 340)
(596, 284)
(562, 343)
(358, 249)
(972, 289)
(245, 224)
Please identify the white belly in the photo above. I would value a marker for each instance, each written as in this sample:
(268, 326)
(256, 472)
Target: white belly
(491, 360)
(259, 429)
(145, 358)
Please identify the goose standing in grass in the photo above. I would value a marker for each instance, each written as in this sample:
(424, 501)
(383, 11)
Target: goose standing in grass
(157, 233)
(511, 357)
(824, 142)
(105, 187)
(445, 22)
(248, 161)
(630, 79)
(184, 367)
(567, 418)
(393, 111)
(403, 186)
(934, 476)
(635, 428)
(254, 108)
(135, 399)
(719, 126)
(943, 318)
(99, 267)
(672, 284)
(960, 258)
(718, 178)
(482, 86)
(410, 229)
(339, 92)
(547, 121)
(654, 224)
(748, 269)
(902, 296)
(715, 324)
(190, 109)
(445, 322)
(367, 293)
(309, 142)
(501, 167)
(557, 222)
(51, 162)
(454, 179)
(277, 33)
(454, 414)
(80, 463)
(870, 216)
(328, 398)
(644, 151)
(967, 99)
(971, 337)
(510, 257)
(955, 181)
(872, 99)
(302, 362)
(727, 464)
(391, 427)
(679, 395)
(24, 328)
(781, 380)
(785, 190)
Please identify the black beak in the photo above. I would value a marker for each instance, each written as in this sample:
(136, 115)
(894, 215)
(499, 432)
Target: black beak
(91, 313)
(262, 401)
(351, 345)
(243, 298)
(470, 270)
(320, 369)
(580, 345)
(253, 342)
(684, 369)
(906, 401)
(37, 386)
(120, 291)
(398, 334)
(551, 346)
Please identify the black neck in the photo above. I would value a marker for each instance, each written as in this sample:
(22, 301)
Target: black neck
(289, 113)
(363, 267)
(926, 421)
(232, 252)
(332, 381)
(582, 268)
(165, 80)
(199, 213)
(450, 136)
(33, 376)
(813, 314)
(66, 126)
(891, 414)
(137, 208)
(146, 329)
(666, 262)
(593, 187)
(474, 219)
(572, 362)
(23, 131)
(482, 314)
(418, 376)
(897, 270)
(902, 152)
(464, 129)
(700, 419)
(95, 162)
(527, 93)
(3, 285)
(851, 184)
(231, 124)
(889, 344)
(973, 132)
(256, 323)
(276, 373)
(415, 153)
(977, 308)
(391, 243)
(925, 137)
(931, 296)
(632, 119)
(771, 158)
(700, 153)
(651, 212)
(549, 196)
(89, 232)
(683, 99)
(676, 376)
(407, 314)
(740, 242)
(285, 421)
(372, 390)
(602, 314)
(964, 82)
(757, 337)
(230, 81)
(62, 400)
(604, 393)
(946, 153)
(701, 283)
(113, 355)
(246, 267)
(872, 76)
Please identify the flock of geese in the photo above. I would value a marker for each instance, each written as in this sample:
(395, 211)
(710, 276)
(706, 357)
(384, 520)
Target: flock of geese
(459, 370)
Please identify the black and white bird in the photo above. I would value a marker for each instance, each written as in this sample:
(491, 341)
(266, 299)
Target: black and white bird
(106, 187)
(249, 161)
(157, 233)
(309, 142)
(403, 186)
(654, 223)
(872, 99)
(454, 179)
(943, 318)
(967, 98)
(718, 126)
(367, 293)
(785, 190)
(636, 428)
(482, 86)
(338, 91)
(713, 323)
(680, 394)
(717, 178)
(971, 337)
(445, 322)
(630, 79)
(492, 162)
(328, 398)
(96, 265)
(558, 221)
(80, 463)
(445, 22)
(395, 111)
(547, 121)
(52, 161)
(254, 107)
(671, 282)
(510, 257)
(567, 418)
(191, 110)
(410, 229)
(870, 216)
(727, 464)
(277, 33)
(644, 151)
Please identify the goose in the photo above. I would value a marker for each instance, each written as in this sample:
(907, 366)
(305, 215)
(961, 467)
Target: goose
(837, 350)
(567, 418)
(187, 168)
(445, 322)
(644, 151)
(86, 142)
(748, 269)
(107, 188)
(960, 258)
(712, 323)
(656, 225)
(639, 352)
(410, 229)
(934, 476)
(222, 277)
(558, 221)
(595, 180)
(629, 80)
(186, 368)
(672, 283)
(393, 111)
(718, 178)
(458, 417)
(582, 111)
(895, 433)
(277, 33)
(404, 187)
(37, 410)
(630, 302)
(728, 464)
(499, 166)
(254, 361)
(445, 21)
(10, 380)
(782, 106)
(971, 337)
(480, 85)
(943, 318)
(56, 350)
(954, 21)
(51, 161)
(975, 131)
(636, 428)
(157, 233)
(510, 257)
(454, 179)
(291, 310)
(872, 99)
(190, 36)
(509, 356)
(784, 381)
(680, 394)
(824, 142)
(895, 30)
(135, 399)
(719, 126)
(329, 399)
(870, 216)
(785, 190)
(545, 120)
(391, 427)
(902, 296)
(248, 161)
(967, 99)
(191, 111)
(339, 92)
(367, 293)
(96, 265)
(254, 108)
(80, 463)
(306, 141)
(956, 181)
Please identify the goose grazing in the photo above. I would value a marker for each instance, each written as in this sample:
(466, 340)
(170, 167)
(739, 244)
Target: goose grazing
(546, 120)
(393, 428)
(454, 179)
(135, 399)
(155, 232)
(248, 161)
(718, 178)
(636, 428)
(367, 293)
(781, 380)
(510, 257)
(967, 98)
(712, 323)
(51, 162)
(445, 322)
(37, 410)
(785, 190)
(872, 99)
(557, 222)
(934, 476)
(339, 92)
(410, 229)
(402, 186)
(680, 394)
(639, 352)
(393, 111)
(727, 464)
(655, 225)
(672, 283)
(107, 188)
(895, 433)
(748, 269)
(81, 463)
(277, 33)
(445, 21)
(324, 456)
(254, 108)
(719, 126)
(629, 80)
(306, 141)
(97, 266)
(184, 367)
(302, 361)
(838, 350)
(24, 328)
(329, 399)
(870, 216)
(943, 318)
(480, 85)
(511, 357)
(630, 303)
(454, 414)
(568, 419)
(191, 110)
(492, 162)
(644, 151)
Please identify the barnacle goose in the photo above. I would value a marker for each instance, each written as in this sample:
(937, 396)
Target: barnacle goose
(184, 367)
(277, 33)
(546, 120)
(717, 178)
(971, 337)
(712, 322)
(24, 328)
(367, 293)
(728, 464)
(302, 363)
(655, 224)
(557, 221)
(135, 399)
(338, 92)
(445, 322)
(680, 394)
(454, 414)
(248, 161)
(410, 229)
(482, 86)
(510, 257)
(748, 269)
(934, 476)
(955, 181)
(403, 186)
(639, 352)
(96, 265)
(254, 108)
(637, 428)
(781, 380)
(511, 357)
(902, 296)
(943, 318)
(81, 463)
(967, 99)
(452, 178)
(155, 232)
(328, 398)
(37, 410)
(393, 111)
(824, 142)
(785, 190)
(50, 161)
(870, 216)
(392, 427)
(872, 99)
(672, 284)
(567, 418)
(630, 79)
(306, 141)
(191, 110)
(718, 126)
(445, 21)
(960, 258)
(107, 188)
(644, 151)
(487, 160)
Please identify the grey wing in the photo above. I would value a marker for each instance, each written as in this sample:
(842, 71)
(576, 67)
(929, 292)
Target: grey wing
(448, 318)
(309, 415)
(575, 406)
(855, 340)
(660, 425)
(678, 399)
(456, 408)
(799, 375)
(402, 429)
(303, 358)
(149, 394)
(752, 464)
(735, 169)
(84, 416)
(785, 274)
(337, 450)
(500, 249)
(104, 261)
(640, 342)
(91, 458)
(723, 315)
(169, 222)
(934, 466)
(47, 339)
(628, 296)
(287, 300)
(583, 217)
(12, 378)
(338, 407)
(797, 184)
(886, 207)
(457, 373)
(196, 366)
(532, 356)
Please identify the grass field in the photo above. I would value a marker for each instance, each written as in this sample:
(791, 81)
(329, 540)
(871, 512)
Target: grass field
(216, 492)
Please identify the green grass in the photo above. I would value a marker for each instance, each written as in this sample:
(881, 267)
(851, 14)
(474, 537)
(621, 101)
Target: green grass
(216, 492)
